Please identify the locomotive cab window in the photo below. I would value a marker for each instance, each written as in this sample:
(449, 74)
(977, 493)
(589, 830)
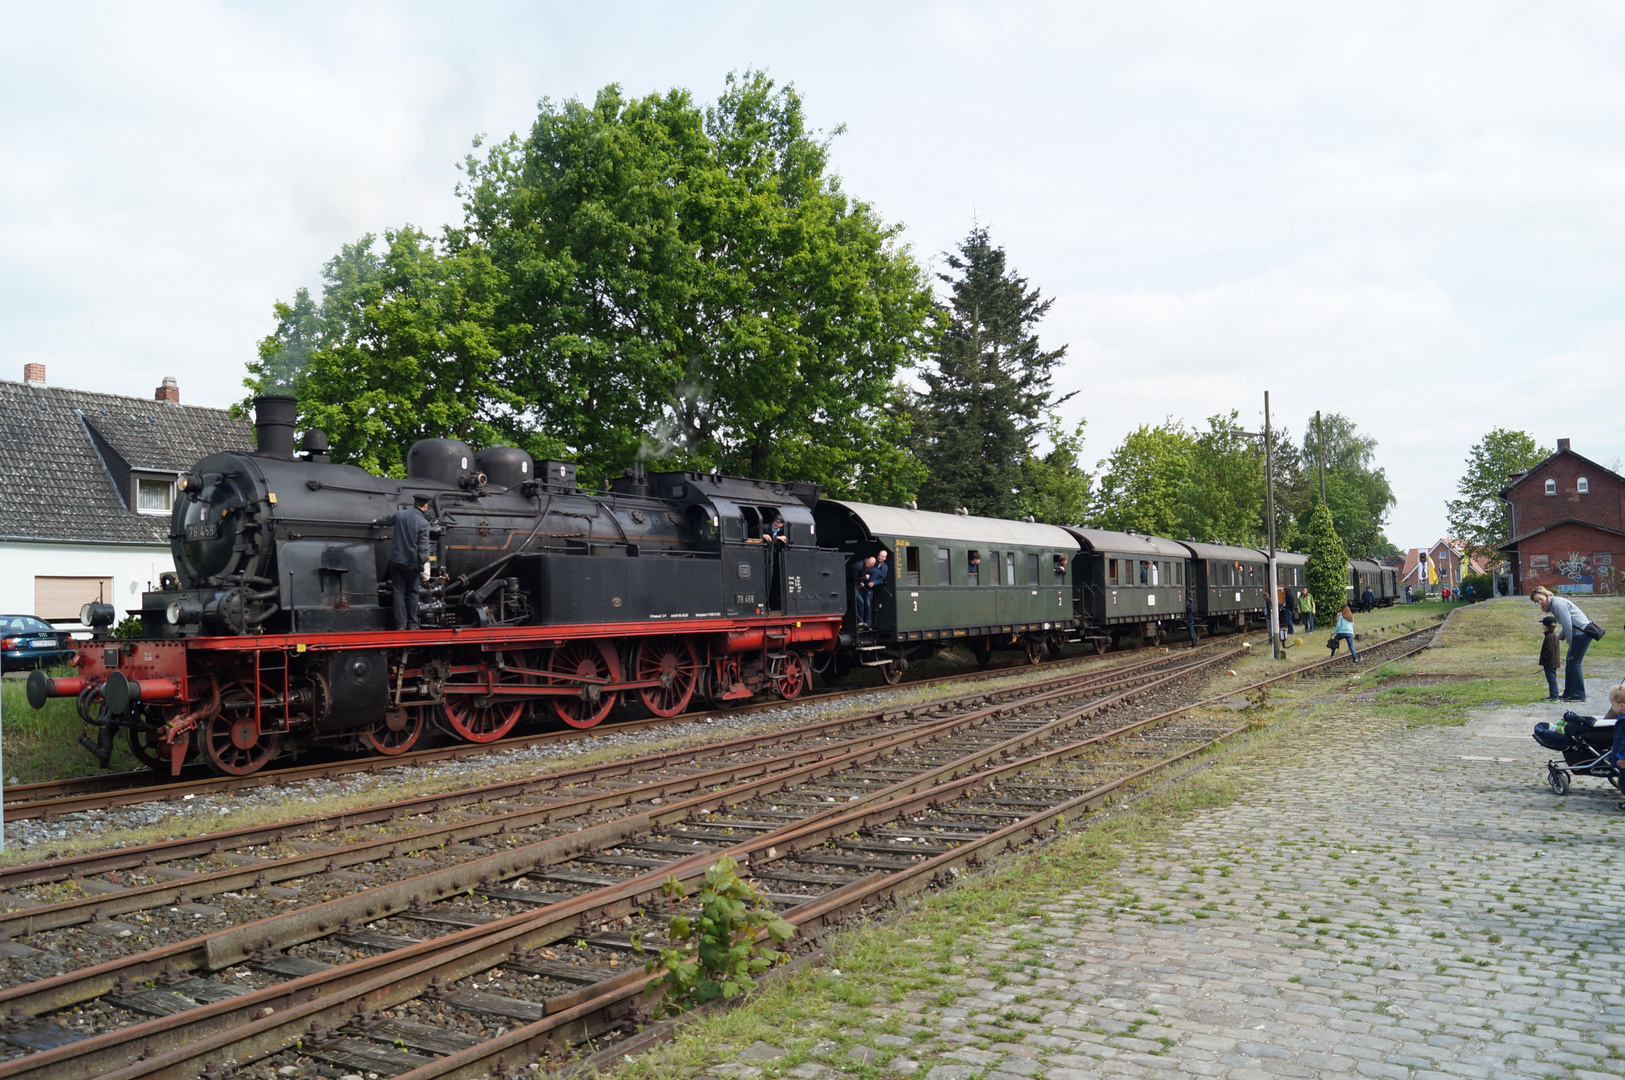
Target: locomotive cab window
(944, 567)
(911, 566)
(753, 523)
(973, 567)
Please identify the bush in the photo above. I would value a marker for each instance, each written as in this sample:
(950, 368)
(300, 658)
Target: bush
(129, 628)
(1483, 586)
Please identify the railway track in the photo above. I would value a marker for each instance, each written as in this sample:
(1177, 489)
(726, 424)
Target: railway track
(544, 919)
(60, 797)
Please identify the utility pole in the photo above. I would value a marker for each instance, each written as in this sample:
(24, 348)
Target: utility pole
(1320, 456)
(1272, 607)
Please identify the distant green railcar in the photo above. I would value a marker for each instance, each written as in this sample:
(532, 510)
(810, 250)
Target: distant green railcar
(1230, 583)
(984, 582)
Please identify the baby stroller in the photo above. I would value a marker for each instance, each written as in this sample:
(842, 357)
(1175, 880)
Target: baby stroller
(1586, 744)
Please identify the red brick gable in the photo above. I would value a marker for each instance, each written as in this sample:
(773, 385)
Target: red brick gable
(1603, 503)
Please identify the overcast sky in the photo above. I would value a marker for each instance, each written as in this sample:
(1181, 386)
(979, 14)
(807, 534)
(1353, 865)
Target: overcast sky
(1411, 214)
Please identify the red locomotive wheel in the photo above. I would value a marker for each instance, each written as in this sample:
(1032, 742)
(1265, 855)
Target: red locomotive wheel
(676, 664)
(398, 731)
(793, 681)
(481, 723)
(585, 660)
(233, 743)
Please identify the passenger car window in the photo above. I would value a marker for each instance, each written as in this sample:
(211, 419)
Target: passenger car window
(944, 568)
(1009, 568)
(1032, 569)
(1060, 569)
(1111, 571)
(911, 563)
(973, 568)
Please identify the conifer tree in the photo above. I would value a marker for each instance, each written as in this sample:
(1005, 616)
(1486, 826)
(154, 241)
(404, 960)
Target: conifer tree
(988, 385)
(1327, 573)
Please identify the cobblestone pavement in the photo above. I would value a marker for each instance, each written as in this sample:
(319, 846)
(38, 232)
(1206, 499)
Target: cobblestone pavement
(1407, 904)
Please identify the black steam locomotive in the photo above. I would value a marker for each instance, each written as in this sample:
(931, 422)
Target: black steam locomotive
(274, 632)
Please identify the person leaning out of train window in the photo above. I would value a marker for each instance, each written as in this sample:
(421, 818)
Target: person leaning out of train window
(775, 531)
(1344, 631)
(878, 575)
(409, 555)
(1575, 628)
(974, 572)
(1306, 608)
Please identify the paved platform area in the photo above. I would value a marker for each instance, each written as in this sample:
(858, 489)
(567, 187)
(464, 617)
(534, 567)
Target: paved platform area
(1405, 904)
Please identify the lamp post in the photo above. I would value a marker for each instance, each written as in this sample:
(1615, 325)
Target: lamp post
(1272, 610)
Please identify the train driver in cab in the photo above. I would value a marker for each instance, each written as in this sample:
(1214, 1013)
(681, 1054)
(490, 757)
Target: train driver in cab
(409, 556)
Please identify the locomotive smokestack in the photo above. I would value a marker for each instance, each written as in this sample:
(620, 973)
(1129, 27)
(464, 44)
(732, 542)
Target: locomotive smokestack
(273, 425)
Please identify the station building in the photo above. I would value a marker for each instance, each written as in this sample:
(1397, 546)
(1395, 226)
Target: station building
(1568, 525)
(87, 481)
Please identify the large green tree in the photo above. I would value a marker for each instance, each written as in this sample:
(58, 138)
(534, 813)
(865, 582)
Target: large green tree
(1173, 481)
(1143, 480)
(401, 347)
(1480, 517)
(694, 287)
(987, 385)
(638, 278)
(1358, 494)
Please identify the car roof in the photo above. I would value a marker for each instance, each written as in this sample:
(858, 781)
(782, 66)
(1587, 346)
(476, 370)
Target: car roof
(883, 521)
(1129, 543)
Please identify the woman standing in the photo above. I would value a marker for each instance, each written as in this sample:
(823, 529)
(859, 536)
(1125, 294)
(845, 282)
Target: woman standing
(1345, 632)
(1306, 608)
(1571, 627)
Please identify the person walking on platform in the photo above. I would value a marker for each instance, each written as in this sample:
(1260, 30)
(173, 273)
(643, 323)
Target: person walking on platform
(1306, 608)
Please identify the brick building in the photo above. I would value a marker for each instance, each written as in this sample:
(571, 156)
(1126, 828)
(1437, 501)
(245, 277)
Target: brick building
(1568, 525)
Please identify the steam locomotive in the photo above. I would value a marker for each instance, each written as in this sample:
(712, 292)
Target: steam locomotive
(274, 632)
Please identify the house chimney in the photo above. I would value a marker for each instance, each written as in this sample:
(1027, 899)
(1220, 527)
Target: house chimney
(34, 374)
(1562, 444)
(170, 391)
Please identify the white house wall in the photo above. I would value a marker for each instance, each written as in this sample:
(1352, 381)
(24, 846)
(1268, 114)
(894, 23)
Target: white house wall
(134, 569)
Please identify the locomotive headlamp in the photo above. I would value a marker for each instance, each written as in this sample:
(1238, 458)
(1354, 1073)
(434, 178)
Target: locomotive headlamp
(183, 612)
(96, 614)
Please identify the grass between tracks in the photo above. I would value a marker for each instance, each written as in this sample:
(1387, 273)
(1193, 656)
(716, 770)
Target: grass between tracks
(1485, 658)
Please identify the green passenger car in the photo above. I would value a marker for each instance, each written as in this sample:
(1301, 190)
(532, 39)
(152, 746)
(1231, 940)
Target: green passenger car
(1230, 583)
(1128, 586)
(985, 582)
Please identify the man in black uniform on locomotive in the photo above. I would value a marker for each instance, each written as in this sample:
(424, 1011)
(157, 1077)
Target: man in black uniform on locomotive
(409, 554)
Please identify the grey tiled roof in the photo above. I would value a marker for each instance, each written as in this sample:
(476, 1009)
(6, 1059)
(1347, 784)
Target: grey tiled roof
(57, 483)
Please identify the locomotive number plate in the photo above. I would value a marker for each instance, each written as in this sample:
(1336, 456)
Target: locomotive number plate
(203, 530)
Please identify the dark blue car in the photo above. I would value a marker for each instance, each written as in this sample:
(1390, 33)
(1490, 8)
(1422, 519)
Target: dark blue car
(27, 642)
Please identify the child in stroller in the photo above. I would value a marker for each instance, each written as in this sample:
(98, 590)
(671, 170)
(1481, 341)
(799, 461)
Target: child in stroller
(1587, 743)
